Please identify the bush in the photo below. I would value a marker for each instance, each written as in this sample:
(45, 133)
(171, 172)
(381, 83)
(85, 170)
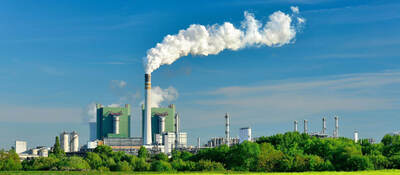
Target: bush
(161, 156)
(41, 163)
(123, 166)
(9, 161)
(139, 164)
(394, 161)
(73, 164)
(359, 162)
(379, 161)
(94, 160)
(160, 165)
(208, 165)
(182, 165)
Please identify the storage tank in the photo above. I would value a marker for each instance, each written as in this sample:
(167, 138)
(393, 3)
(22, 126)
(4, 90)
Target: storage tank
(74, 142)
(64, 142)
(244, 134)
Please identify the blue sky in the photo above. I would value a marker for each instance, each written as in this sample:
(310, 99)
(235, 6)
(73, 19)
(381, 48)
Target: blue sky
(59, 56)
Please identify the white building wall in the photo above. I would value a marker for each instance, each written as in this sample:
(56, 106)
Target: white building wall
(244, 134)
(20, 146)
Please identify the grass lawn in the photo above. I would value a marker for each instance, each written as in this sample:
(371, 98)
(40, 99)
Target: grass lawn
(381, 172)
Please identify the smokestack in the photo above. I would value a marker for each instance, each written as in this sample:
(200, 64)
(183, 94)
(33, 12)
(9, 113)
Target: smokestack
(198, 142)
(356, 136)
(323, 125)
(227, 142)
(336, 133)
(305, 126)
(176, 130)
(147, 107)
(295, 125)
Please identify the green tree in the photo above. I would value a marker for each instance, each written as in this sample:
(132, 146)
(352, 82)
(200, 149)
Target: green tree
(208, 165)
(57, 151)
(41, 163)
(269, 159)
(73, 163)
(9, 161)
(139, 164)
(243, 157)
(94, 160)
(160, 165)
(143, 153)
(123, 166)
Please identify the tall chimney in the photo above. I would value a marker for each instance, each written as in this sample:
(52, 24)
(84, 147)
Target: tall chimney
(147, 107)
(323, 125)
(227, 139)
(305, 126)
(336, 133)
(295, 126)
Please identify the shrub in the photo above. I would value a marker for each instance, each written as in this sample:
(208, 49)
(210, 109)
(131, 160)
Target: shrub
(139, 164)
(123, 166)
(208, 165)
(160, 165)
(73, 163)
(182, 165)
(94, 160)
(161, 156)
(359, 162)
(9, 161)
(41, 163)
(379, 161)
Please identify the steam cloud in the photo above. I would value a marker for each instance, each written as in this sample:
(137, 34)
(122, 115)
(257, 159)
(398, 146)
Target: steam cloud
(206, 40)
(158, 95)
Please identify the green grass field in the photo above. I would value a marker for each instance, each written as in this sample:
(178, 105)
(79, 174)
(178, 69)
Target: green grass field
(381, 172)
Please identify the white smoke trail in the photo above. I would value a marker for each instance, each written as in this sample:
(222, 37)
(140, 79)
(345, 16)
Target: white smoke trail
(159, 96)
(205, 40)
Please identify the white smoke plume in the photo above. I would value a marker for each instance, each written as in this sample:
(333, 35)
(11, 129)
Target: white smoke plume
(159, 96)
(205, 40)
(90, 113)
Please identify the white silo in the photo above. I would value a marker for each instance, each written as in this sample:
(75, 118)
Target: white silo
(64, 141)
(74, 142)
(244, 134)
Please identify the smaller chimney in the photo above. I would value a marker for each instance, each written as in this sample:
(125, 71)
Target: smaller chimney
(356, 136)
(323, 125)
(336, 132)
(198, 142)
(305, 126)
(227, 139)
(295, 126)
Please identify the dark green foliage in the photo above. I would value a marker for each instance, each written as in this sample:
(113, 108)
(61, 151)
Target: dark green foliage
(140, 164)
(94, 160)
(161, 156)
(41, 163)
(160, 165)
(243, 157)
(143, 153)
(123, 166)
(73, 163)
(394, 161)
(208, 165)
(379, 161)
(9, 161)
(181, 165)
(57, 151)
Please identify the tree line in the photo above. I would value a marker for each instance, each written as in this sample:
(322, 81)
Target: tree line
(289, 152)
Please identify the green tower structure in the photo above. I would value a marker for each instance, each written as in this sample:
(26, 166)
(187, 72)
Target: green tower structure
(167, 112)
(113, 122)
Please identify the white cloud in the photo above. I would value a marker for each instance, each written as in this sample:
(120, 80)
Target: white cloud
(118, 84)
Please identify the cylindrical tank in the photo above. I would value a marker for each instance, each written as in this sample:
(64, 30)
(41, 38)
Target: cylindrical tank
(74, 142)
(356, 136)
(64, 142)
(116, 125)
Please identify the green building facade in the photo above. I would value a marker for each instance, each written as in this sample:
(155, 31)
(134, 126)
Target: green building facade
(168, 112)
(106, 122)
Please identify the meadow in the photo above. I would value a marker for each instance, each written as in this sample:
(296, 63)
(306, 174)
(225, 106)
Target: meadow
(378, 172)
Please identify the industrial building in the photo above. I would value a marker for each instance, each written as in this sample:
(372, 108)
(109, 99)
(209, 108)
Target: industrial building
(162, 120)
(69, 141)
(218, 141)
(113, 122)
(245, 134)
(323, 133)
(24, 153)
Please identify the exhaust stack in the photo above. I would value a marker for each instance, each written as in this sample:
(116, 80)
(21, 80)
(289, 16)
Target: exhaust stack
(227, 119)
(323, 125)
(305, 126)
(147, 107)
(295, 125)
(336, 132)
